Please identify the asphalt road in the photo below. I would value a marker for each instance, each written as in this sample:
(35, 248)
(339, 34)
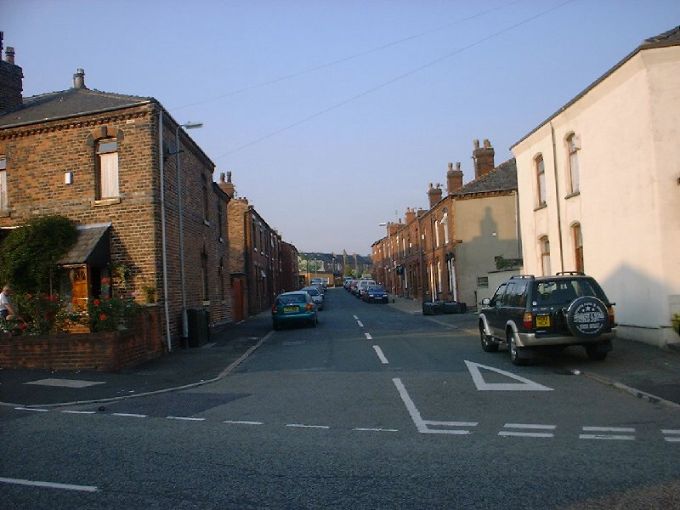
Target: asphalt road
(374, 408)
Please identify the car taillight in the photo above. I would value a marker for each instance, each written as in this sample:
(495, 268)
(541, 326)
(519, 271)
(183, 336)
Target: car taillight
(528, 320)
(274, 310)
(309, 307)
(612, 318)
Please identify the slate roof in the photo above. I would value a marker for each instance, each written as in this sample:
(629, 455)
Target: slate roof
(501, 178)
(665, 39)
(89, 237)
(67, 103)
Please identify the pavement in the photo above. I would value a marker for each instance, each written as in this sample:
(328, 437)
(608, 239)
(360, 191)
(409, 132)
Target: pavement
(639, 369)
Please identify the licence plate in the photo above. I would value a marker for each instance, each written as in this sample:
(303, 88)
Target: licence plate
(290, 309)
(543, 321)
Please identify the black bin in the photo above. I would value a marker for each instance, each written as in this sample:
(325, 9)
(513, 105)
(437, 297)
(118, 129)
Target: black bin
(198, 327)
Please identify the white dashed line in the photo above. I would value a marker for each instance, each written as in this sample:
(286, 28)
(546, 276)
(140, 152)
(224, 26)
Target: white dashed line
(527, 426)
(236, 422)
(50, 485)
(355, 317)
(301, 426)
(368, 336)
(622, 436)
(671, 435)
(130, 415)
(184, 418)
(31, 409)
(361, 324)
(79, 412)
(375, 430)
(381, 355)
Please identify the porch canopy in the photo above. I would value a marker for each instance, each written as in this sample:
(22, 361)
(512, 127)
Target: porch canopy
(92, 247)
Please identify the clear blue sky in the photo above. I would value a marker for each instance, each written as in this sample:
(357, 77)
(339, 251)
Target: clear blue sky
(339, 144)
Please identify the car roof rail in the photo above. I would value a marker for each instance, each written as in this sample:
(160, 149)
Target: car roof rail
(571, 273)
(523, 276)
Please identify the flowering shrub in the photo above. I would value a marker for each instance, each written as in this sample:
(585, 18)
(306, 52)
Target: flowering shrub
(110, 314)
(40, 313)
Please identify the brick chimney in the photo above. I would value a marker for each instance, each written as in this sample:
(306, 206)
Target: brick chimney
(454, 178)
(483, 158)
(227, 185)
(11, 80)
(410, 215)
(434, 194)
(79, 79)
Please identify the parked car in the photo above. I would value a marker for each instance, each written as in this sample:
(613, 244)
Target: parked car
(528, 312)
(376, 294)
(294, 307)
(317, 296)
(362, 286)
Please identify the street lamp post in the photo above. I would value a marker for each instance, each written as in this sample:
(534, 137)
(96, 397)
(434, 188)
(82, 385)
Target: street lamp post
(178, 160)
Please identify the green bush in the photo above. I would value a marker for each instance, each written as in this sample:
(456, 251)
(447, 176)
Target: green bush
(111, 314)
(29, 254)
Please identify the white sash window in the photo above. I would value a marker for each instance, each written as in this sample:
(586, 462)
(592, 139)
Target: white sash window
(108, 169)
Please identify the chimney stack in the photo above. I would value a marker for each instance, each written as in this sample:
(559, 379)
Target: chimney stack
(454, 178)
(410, 215)
(227, 185)
(434, 194)
(11, 80)
(483, 158)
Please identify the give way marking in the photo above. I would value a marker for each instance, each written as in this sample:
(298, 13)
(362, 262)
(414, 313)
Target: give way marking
(523, 384)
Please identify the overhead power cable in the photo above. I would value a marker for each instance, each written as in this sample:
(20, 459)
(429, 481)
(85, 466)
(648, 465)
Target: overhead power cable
(342, 60)
(394, 80)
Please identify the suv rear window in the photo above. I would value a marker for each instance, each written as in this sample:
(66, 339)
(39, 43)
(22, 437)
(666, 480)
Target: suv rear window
(556, 292)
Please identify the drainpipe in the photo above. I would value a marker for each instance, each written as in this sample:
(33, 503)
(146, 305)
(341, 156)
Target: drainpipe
(557, 193)
(164, 254)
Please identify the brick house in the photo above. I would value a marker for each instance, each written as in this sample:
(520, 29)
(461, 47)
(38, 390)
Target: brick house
(256, 259)
(109, 162)
(446, 251)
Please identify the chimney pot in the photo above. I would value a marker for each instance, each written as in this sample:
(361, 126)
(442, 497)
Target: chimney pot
(79, 79)
(10, 55)
(475, 142)
(222, 177)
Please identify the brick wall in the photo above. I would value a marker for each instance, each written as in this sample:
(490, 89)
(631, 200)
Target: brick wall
(105, 351)
(39, 155)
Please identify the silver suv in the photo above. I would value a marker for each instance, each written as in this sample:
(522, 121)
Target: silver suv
(566, 309)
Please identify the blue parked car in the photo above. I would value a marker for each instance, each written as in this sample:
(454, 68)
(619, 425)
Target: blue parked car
(375, 294)
(294, 307)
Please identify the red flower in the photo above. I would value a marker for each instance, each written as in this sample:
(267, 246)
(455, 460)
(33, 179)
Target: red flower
(102, 317)
(96, 302)
(22, 326)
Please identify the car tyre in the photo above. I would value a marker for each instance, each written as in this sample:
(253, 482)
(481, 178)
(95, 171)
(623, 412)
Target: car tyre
(515, 350)
(587, 317)
(488, 344)
(276, 326)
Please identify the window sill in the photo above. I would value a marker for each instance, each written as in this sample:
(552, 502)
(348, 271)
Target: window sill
(105, 202)
(205, 303)
(542, 206)
(572, 195)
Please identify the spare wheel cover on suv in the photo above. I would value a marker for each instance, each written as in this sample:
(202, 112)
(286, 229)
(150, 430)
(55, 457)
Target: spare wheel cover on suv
(587, 317)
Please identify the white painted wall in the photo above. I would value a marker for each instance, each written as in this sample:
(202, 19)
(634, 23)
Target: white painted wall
(629, 202)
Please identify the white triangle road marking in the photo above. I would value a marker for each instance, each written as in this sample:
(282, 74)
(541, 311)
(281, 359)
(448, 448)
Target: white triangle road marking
(482, 385)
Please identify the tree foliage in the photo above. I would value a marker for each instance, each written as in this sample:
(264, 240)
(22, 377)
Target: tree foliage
(29, 254)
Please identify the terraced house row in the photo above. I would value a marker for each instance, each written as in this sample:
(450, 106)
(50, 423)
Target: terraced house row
(594, 188)
(152, 223)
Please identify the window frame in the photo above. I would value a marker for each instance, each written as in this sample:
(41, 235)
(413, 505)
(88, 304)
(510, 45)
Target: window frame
(541, 188)
(577, 237)
(103, 148)
(4, 193)
(544, 250)
(573, 163)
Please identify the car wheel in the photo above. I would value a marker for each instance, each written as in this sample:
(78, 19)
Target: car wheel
(596, 353)
(515, 351)
(275, 326)
(488, 344)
